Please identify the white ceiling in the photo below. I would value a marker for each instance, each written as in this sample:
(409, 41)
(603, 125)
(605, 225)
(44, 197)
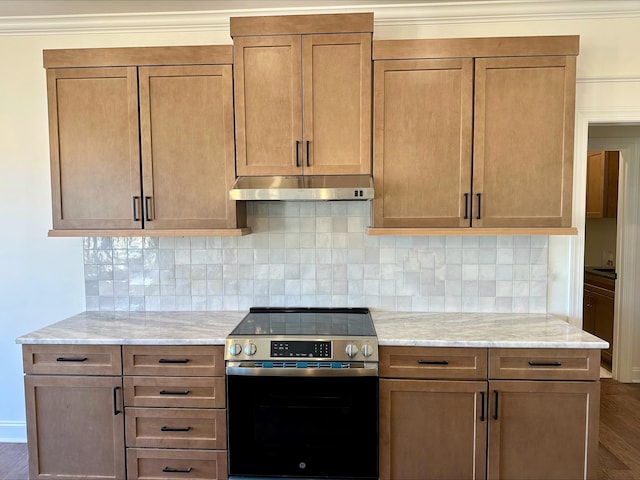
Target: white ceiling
(84, 7)
(14, 8)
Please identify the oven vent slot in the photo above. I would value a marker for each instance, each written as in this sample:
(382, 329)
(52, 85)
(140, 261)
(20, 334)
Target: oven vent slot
(302, 364)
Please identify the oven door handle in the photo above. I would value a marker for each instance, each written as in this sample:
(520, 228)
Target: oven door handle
(365, 370)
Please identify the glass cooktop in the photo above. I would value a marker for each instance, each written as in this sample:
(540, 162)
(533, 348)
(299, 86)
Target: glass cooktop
(306, 321)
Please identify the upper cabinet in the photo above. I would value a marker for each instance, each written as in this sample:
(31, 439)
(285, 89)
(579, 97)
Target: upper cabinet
(602, 184)
(303, 94)
(141, 139)
(473, 133)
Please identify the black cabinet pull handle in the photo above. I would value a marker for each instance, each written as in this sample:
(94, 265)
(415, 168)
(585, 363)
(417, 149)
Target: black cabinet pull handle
(297, 153)
(115, 400)
(170, 429)
(147, 209)
(466, 206)
(433, 362)
(545, 364)
(176, 470)
(495, 412)
(479, 205)
(173, 392)
(482, 406)
(136, 213)
(67, 359)
(172, 360)
(308, 142)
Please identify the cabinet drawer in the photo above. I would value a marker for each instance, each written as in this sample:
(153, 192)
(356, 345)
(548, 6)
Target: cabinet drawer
(151, 464)
(544, 364)
(72, 359)
(176, 428)
(433, 362)
(183, 361)
(203, 392)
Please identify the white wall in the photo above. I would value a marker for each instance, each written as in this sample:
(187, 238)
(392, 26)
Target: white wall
(42, 278)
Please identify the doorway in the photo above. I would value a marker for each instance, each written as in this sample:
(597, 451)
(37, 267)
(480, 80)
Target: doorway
(600, 272)
(624, 253)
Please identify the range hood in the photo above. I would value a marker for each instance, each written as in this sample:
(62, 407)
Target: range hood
(303, 187)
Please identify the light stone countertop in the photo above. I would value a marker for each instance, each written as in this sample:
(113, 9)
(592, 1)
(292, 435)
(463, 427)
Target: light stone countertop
(496, 330)
(138, 328)
(393, 328)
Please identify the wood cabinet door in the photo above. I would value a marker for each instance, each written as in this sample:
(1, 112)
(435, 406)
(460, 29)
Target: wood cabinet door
(599, 309)
(432, 429)
(268, 105)
(595, 184)
(422, 143)
(602, 184)
(543, 430)
(186, 120)
(523, 141)
(94, 148)
(337, 104)
(75, 427)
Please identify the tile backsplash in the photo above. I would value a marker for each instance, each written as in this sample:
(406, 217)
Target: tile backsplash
(317, 254)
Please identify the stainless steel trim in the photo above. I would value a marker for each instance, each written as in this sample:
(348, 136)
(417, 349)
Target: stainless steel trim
(303, 187)
(357, 369)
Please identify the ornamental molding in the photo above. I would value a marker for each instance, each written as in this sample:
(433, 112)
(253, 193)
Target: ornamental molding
(391, 14)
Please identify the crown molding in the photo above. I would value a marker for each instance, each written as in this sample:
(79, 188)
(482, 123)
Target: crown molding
(391, 14)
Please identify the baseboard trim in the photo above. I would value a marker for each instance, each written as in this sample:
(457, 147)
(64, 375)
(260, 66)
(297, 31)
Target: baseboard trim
(13, 432)
(635, 377)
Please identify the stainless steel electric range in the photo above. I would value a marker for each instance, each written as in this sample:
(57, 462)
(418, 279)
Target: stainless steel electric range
(302, 394)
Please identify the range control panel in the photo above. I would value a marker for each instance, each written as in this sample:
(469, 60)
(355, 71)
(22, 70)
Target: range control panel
(259, 348)
(300, 348)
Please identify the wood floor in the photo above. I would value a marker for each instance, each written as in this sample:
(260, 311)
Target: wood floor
(619, 437)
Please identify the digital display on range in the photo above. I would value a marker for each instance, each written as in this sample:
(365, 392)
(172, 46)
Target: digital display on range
(293, 349)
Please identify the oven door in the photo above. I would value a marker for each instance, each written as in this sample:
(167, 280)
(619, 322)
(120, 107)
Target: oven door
(303, 426)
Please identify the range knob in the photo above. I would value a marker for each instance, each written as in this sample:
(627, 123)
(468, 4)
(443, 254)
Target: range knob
(235, 349)
(351, 350)
(250, 349)
(367, 350)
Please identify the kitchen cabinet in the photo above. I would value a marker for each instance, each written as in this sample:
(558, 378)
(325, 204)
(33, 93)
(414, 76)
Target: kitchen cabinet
(74, 393)
(598, 311)
(497, 413)
(303, 94)
(543, 414)
(175, 410)
(141, 140)
(602, 184)
(473, 133)
(432, 419)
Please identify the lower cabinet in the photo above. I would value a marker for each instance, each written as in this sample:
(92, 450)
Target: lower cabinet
(543, 429)
(598, 311)
(175, 412)
(89, 407)
(75, 422)
(432, 429)
(513, 414)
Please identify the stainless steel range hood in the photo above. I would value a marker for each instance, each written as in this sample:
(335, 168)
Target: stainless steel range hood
(302, 187)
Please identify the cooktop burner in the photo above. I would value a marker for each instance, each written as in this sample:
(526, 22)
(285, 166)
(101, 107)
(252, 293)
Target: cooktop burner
(307, 321)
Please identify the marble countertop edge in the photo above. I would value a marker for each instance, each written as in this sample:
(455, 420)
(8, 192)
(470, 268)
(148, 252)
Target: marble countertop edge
(485, 330)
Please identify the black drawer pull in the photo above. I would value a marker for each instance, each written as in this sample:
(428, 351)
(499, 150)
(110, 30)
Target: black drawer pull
(116, 411)
(171, 392)
(171, 360)
(171, 429)
(482, 407)
(495, 414)
(433, 362)
(176, 470)
(65, 359)
(545, 364)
